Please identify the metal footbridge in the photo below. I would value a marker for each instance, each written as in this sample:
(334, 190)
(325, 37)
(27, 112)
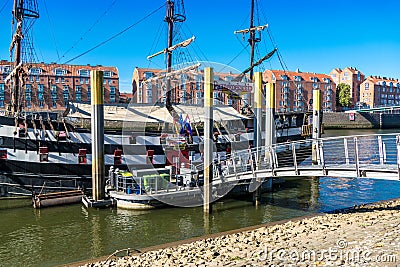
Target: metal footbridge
(370, 156)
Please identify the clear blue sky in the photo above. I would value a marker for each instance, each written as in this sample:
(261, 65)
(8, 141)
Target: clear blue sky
(311, 35)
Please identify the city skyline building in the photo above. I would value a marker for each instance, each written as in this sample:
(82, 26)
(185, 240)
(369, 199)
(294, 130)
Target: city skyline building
(352, 77)
(149, 87)
(294, 90)
(379, 91)
(51, 86)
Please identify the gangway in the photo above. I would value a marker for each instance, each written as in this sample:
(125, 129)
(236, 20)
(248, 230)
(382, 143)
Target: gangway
(362, 156)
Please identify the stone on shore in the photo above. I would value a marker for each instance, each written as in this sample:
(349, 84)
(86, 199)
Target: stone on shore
(367, 235)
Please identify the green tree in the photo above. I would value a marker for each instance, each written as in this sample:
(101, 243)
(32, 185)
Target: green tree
(343, 95)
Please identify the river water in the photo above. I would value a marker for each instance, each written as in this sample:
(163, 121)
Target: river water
(66, 234)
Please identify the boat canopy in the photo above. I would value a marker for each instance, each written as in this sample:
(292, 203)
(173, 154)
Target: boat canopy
(154, 113)
(220, 113)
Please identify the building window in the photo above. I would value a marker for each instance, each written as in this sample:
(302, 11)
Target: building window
(366, 86)
(112, 98)
(54, 92)
(59, 72)
(54, 104)
(41, 88)
(41, 104)
(7, 69)
(78, 97)
(2, 95)
(66, 95)
(28, 92)
(148, 75)
(107, 73)
(89, 94)
(35, 71)
(84, 73)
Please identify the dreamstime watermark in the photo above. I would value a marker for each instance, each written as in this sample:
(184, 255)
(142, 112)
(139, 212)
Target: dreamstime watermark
(340, 252)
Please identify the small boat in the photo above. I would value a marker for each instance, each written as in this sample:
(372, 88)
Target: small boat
(56, 198)
(156, 188)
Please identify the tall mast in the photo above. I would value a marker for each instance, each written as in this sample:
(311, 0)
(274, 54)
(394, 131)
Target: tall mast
(17, 38)
(252, 39)
(23, 10)
(170, 20)
(175, 12)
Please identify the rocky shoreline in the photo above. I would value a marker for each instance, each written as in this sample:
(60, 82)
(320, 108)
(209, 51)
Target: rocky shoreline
(367, 235)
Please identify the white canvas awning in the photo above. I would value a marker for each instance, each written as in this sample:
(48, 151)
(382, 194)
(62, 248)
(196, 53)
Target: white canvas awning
(155, 114)
(136, 113)
(220, 113)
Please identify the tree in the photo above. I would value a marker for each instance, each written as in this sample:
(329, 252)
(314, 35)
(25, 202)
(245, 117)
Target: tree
(343, 95)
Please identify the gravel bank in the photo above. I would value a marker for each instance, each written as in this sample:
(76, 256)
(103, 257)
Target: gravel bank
(362, 236)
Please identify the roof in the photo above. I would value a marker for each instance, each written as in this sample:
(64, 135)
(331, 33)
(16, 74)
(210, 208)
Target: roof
(304, 75)
(138, 113)
(377, 79)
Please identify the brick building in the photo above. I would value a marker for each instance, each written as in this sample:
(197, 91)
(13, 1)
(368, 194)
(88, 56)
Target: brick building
(294, 89)
(378, 91)
(52, 86)
(352, 77)
(149, 87)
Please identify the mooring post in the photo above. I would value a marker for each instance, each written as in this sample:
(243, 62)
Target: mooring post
(97, 121)
(258, 87)
(270, 115)
(208, 137)
(257, 110)
(316, 133)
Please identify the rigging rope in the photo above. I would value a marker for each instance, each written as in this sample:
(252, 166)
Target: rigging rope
(5, 4)
(87, 31)
(52, 31)
(155, 42)
(115, 35)
(191, 34)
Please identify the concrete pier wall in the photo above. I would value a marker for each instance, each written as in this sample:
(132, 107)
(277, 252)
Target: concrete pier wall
(340, 120)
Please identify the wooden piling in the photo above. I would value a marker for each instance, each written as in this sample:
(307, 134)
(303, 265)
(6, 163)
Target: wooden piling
(316, 133)
(270, 138)
(208, 136)
(257, 128)
(97, 124)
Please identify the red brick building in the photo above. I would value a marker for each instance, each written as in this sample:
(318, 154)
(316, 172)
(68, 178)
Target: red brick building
(294, 89)
(52, 86)
(350, 76)
(149, 87)
(379, 91)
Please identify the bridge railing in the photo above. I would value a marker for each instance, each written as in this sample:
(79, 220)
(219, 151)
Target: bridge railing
(346, 152)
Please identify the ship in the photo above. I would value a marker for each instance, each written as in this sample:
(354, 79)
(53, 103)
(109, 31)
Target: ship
(46, 151)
